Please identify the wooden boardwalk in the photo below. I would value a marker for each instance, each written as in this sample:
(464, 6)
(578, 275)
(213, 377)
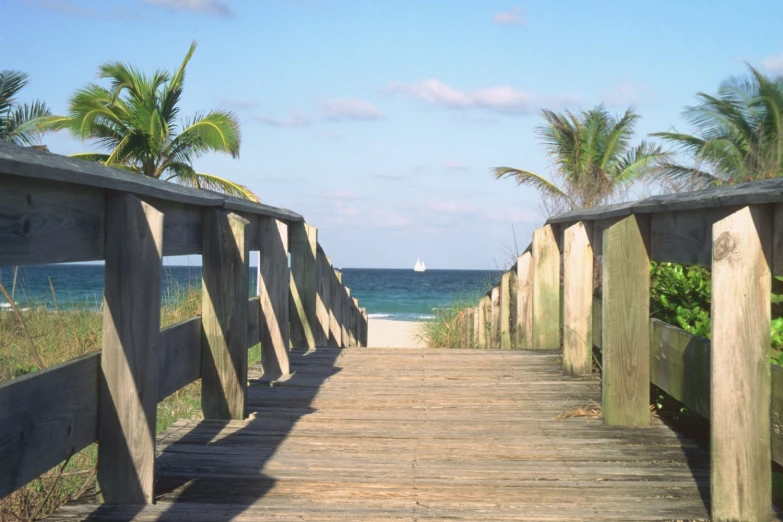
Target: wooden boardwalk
(411, 434)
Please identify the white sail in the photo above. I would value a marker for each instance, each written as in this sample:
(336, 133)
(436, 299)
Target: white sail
(419, 266)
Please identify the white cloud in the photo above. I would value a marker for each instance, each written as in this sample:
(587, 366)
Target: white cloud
(511, 17)
(341, 208)
(205, 7)
(295, 120)
(773, 64)
(339, 109)
(455, 165)
(624, 94)
(502, 99)
(341, 194)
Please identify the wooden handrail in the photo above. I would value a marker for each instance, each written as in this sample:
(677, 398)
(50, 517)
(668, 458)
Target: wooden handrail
(57, 209)
(737, 232)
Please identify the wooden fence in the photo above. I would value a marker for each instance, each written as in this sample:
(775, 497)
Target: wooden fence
(738, 233)
(54, 209)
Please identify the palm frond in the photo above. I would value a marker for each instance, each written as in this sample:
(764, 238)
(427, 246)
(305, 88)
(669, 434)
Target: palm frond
(525, 177)
(185, 175)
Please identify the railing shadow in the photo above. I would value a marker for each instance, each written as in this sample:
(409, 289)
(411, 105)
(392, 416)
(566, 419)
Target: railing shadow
(211, 464)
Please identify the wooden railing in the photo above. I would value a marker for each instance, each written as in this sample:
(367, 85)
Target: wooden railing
(738, 233)
(54, 209)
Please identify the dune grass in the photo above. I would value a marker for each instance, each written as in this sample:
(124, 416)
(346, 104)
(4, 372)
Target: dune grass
(43, 335)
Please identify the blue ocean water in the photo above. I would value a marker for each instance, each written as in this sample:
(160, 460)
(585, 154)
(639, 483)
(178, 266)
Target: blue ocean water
(396, 294)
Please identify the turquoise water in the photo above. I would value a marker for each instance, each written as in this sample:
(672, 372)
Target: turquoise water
(386, 293)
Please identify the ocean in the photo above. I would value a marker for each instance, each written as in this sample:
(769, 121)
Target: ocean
(395, 294)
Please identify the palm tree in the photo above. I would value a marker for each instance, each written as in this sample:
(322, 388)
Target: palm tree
(738, 133)
(18, 122)
(592, 155)
(135, 121)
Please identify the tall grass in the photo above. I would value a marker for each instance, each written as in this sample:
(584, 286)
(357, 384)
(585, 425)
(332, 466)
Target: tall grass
(448, 329)
(43, 335)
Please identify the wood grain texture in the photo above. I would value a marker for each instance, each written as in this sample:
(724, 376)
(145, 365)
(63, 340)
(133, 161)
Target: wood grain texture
(461, 435)
(626, 323)
(356, 322)
(224, 316)
(40, 166)
(323, 287)
(273, 293)
(477, 323)
(578, 300)
(335, 310)
(740, 385)
(129, 360)
(524, 308)
(179, 356)
(684, 236)
(43, 222)
(505, 311)
(546, 289)
(365, 328)
(347, 323)
(482, 335)
(302, 244)
(494, 318)
(45, 417)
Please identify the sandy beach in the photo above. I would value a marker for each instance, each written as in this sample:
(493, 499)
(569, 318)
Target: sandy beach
(392, 334)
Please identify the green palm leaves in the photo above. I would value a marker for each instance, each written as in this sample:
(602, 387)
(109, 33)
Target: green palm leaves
(135, 120)
(737, 136)
(18, 123)
(592, 155)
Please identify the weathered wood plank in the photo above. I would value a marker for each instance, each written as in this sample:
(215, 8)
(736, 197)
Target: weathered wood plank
(26, 162)
(356, 321)
(626, 323)
(224, 316)
(129, 359)
(45, 417)
(524, 308)
(777, 241)
(323, 287)
(335, 309)
(505, 311)
(494, 318)
(179, 356)
(546, 289)
(578, 300)
(740, 380)
(302, 243)
(365, 327)
(684, 236)
(273, 280)
(484, 318)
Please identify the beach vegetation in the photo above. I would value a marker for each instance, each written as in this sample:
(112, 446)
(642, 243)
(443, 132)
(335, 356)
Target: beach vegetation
(135, 122)
(593, 157)
(737, 134)
(18, 120)
(42, 334)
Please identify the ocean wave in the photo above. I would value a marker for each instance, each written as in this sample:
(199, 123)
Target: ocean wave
(378, 316)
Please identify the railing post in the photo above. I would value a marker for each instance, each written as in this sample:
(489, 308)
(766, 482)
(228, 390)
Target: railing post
(505, 310)
(524, 311)
(323, 287)
(546, 289)
(476, 323)
(129, 362)
(347, 325)
(224, 315)
(740, 477)
(357, 315)
(273, 294)
(365, 328)
(483, 319)
(578, 300)
(626, 322)
(335, 313)
(302, 242)
(494, 336)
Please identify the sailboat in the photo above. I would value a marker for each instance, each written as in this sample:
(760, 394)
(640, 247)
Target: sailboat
(419, 266)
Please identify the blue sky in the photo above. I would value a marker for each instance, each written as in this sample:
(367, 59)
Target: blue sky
(380, 120)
